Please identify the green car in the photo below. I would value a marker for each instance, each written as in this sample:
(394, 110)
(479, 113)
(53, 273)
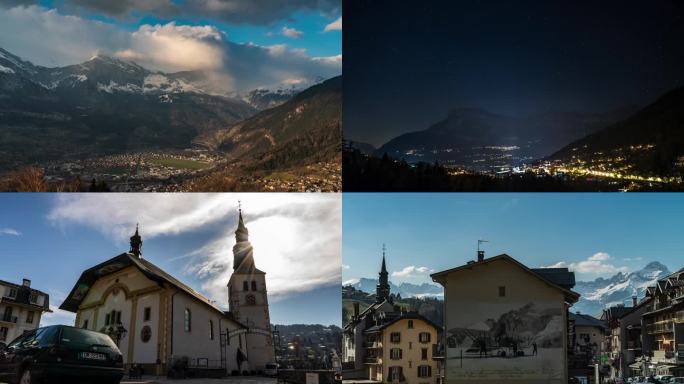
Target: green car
(61, 354)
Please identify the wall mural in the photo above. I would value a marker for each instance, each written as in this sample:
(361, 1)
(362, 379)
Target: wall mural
(523, 343)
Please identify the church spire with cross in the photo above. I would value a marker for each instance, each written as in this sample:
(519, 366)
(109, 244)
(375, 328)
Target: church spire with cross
(136, 243)
(243, 258)
(382, 290)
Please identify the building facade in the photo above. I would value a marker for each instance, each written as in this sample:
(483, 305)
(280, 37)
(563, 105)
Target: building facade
(21, 308)
(156, 319)
(353, 350)
(400, 349)
(505, 322)
(586, 341)
(663, 327)
(386, 344)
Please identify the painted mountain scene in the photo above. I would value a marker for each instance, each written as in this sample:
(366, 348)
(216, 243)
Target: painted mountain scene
(170, 96)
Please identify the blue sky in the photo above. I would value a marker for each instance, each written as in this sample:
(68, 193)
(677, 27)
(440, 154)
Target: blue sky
(269, 44)
(595, 234)
(51, 239)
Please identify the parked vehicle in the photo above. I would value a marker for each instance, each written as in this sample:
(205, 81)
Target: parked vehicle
(61, 354)
(677, 380)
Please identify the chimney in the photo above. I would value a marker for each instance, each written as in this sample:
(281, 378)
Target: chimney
(480, 256)
(26, 283)
(356, 309)
(634, 301)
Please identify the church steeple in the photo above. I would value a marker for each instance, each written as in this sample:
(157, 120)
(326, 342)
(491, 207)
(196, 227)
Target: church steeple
(243, 259)
(242, 233)
(136, 243)
(382, 290)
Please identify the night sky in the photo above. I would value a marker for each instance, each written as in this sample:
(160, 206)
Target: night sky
(407, 63)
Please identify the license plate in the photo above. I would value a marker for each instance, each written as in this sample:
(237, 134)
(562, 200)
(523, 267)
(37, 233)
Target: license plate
(92, 356)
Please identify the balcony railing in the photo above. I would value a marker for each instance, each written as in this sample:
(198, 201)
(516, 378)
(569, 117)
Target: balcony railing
(9, 319)
(373, 360)
(633, 345)
(679, 317)
(660, 327)
(664, 356)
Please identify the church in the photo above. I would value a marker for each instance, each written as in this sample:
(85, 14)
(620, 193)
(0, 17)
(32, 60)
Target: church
(156, 319)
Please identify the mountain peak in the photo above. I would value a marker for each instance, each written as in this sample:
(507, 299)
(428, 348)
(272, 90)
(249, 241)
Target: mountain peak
(618, 289)
(655, 265)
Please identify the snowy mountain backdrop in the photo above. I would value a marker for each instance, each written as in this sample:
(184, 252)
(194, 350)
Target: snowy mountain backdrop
(618, 289)
(596, 295)
(404, 289)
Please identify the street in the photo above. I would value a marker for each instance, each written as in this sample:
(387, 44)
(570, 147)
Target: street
(228, 380)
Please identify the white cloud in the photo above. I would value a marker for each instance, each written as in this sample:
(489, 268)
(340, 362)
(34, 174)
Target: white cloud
(350, 282)
(291, 33)
(599, 256)
(596, 264)
(345, 266)
(57, 316)
(9, 231)
(334, 26)
(172, 47)
(334, 60)
(49, 38)
(296, 237)
(412, 271)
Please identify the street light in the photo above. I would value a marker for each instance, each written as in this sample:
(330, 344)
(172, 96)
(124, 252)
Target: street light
(117, 333)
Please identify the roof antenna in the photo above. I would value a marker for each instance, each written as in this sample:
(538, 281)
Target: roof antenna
(480, 253)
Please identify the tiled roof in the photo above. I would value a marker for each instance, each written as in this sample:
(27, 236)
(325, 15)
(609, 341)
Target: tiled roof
(115, 264)
(586, 320)
(558, 276)
(395, 317)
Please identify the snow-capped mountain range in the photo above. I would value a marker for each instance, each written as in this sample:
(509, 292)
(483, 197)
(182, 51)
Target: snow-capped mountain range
(618, 289)
(404, 289)
(111, 75)
(595, 295)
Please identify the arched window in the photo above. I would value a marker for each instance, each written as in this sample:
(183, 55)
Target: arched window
(253, 285)
(187, 324)
(245, 286)
(251, 300)
(211, 330)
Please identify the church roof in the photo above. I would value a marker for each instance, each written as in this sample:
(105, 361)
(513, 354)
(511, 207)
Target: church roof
(395, 317)
(117, 263)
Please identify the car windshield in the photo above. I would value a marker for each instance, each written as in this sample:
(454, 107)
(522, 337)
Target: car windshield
(271, 366)
(82, 337)
(40, 336)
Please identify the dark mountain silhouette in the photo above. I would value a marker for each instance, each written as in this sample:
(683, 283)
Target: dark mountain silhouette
(660, 124)
(469, 132)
